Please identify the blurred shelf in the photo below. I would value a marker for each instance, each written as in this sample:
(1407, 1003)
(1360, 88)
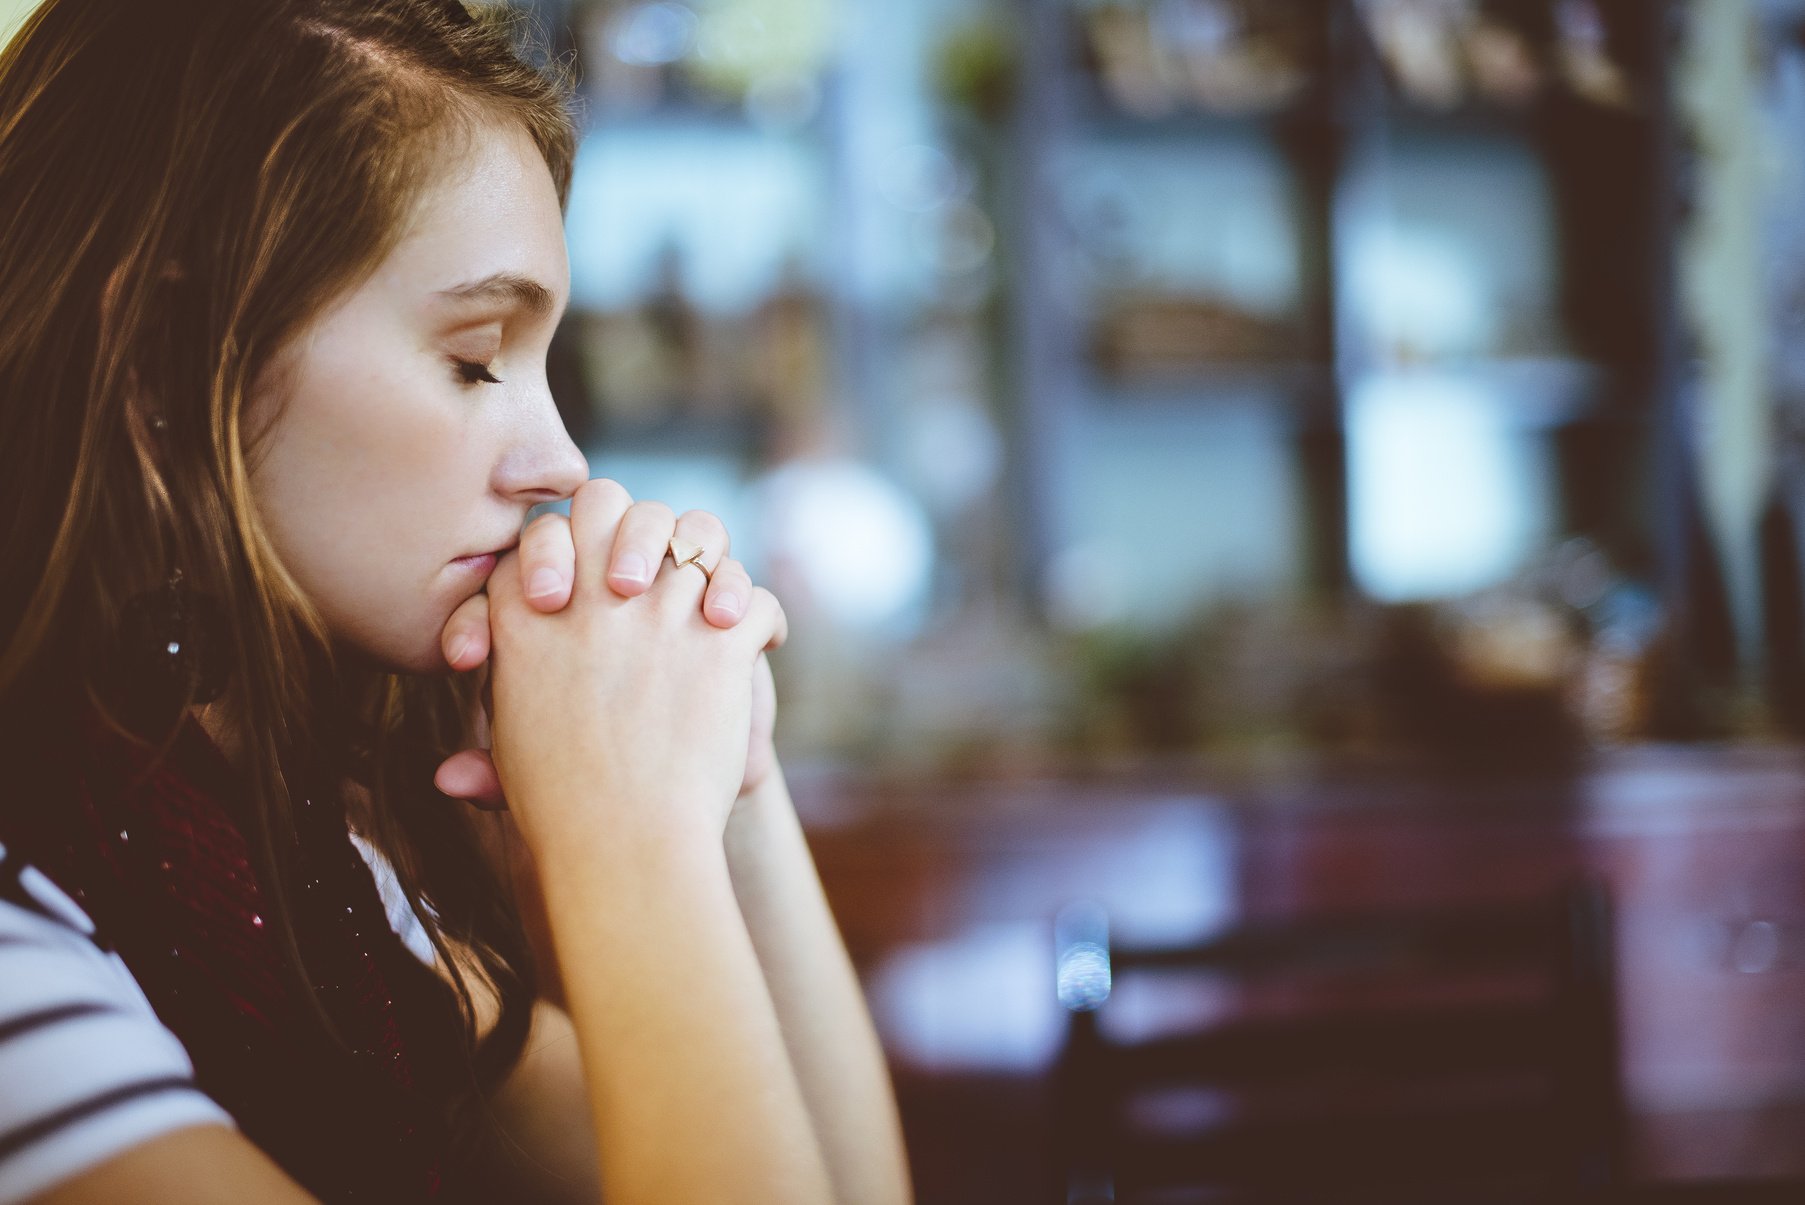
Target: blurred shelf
(1304, 386)
(1464, 119)
(1095, 116)
(1351, 156)
(1533, 121)
(1088, 71)
(739, 435)
(1535, 392)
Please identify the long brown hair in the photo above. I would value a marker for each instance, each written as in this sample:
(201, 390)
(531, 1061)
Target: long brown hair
(183, 186)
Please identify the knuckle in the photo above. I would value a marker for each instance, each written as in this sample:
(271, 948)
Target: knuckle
(707, 521)
(596, 507)
(763, 608)
(598, 491)
(654, 512)
(598, 500)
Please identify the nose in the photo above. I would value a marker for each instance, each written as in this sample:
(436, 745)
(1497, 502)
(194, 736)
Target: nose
(542, 463)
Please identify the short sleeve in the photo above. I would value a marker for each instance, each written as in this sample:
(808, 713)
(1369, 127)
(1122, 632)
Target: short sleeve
(87, 1071)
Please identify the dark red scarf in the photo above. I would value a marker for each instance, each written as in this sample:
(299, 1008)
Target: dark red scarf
(164, 871)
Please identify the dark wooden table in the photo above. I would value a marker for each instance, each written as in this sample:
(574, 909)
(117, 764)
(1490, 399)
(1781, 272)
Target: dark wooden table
(946, 892)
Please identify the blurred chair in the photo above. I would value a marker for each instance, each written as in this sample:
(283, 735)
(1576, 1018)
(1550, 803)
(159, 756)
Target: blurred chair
(1446, 1056)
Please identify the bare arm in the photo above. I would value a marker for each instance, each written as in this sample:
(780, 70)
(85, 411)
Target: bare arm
(544, 1153)
(691, 1095)
(549, 1153)
(827, 1031)
(200, 1165)
(826, 1027)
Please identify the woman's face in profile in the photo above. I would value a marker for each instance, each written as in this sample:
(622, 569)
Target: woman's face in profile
(416, 425)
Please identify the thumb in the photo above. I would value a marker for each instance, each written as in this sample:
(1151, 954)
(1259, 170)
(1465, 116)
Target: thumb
(470, 775)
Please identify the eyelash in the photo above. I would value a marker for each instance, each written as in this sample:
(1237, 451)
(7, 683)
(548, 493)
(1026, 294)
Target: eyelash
(470, 372)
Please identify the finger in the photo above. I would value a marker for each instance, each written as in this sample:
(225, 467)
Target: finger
(470, 775)
(595, 514)
(465, 640)
(761, 755)
(479, 730)
(764, 696)
(725, 603)
(645, 532)
(548, 562)
(765, 621)
(705, 530)
(700, 539)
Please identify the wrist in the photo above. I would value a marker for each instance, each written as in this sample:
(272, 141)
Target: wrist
(770, 793)
(758, 823)
(599, 835)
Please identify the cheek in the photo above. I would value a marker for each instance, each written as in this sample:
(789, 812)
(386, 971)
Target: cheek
(357, 489)
(368, 478)
(370, 440)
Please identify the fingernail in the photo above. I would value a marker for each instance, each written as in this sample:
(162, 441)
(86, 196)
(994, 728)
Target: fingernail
(544, 583)
(631, 568)
(727, 605)
(459, 647)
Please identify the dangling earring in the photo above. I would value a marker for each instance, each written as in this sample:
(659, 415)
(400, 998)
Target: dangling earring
(170, 649)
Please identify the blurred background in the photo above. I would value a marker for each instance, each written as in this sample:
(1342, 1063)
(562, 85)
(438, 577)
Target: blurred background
(1234, 463)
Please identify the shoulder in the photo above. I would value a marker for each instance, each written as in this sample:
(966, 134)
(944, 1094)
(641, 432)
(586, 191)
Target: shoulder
(87, 1070)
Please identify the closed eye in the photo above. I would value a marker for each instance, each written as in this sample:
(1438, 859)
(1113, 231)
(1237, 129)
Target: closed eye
(472, 372)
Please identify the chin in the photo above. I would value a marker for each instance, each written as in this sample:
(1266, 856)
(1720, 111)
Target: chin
(395, 655)
(425, 660)
(432, 665)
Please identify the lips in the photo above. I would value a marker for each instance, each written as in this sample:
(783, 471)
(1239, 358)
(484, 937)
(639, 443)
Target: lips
(494, 552)
(475, 569)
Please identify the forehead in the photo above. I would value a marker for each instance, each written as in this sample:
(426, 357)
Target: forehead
(493, 209)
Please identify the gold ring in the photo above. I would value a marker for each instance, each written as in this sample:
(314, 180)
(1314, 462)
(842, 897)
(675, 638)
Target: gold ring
(685, 553)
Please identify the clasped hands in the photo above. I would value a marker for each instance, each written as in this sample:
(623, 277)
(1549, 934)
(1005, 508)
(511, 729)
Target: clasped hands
(555, 572)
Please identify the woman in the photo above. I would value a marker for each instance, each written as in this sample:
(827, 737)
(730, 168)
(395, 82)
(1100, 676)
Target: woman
(280, 279)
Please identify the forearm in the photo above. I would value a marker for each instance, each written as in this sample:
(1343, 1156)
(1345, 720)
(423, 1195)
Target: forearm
(692, 1095)
(822, 1011)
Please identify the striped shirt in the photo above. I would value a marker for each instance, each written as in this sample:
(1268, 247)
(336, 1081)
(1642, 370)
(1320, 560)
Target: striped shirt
(87, 1071)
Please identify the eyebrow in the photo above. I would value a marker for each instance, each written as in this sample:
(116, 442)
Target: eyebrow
(507, 287)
